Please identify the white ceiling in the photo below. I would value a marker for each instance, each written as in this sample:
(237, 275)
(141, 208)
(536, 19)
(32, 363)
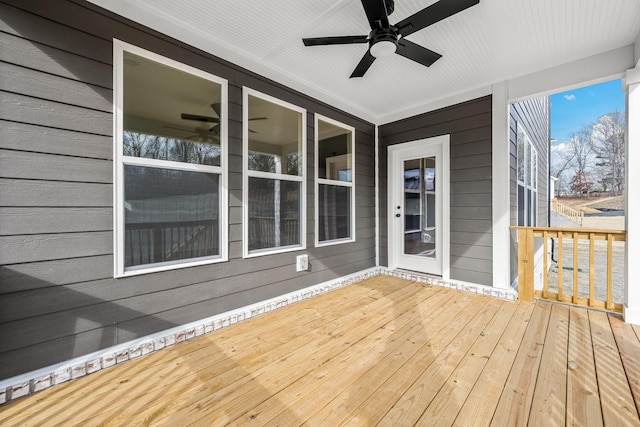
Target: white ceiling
(493, 41)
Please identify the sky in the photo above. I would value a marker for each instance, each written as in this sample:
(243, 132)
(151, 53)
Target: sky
(573, 109)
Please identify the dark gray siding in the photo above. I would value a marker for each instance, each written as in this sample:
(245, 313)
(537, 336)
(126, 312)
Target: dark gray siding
(469, 125)
(58, 297)
(533, 116)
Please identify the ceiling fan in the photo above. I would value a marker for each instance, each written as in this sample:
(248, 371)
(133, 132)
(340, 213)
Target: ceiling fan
(386, 39)
(208, 119)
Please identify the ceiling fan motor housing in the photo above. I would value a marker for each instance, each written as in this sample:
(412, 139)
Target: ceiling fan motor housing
(383, 42)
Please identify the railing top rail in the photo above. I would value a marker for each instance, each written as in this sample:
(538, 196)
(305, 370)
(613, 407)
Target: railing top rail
(569, 229)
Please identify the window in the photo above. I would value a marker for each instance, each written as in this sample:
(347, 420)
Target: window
(335, 198)
(274, 134)
(170, 168)
(527, 179)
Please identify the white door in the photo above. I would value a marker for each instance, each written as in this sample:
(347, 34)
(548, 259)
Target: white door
(419, 206)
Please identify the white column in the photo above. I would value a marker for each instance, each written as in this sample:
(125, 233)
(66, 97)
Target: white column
(500, 184)
(632, 198)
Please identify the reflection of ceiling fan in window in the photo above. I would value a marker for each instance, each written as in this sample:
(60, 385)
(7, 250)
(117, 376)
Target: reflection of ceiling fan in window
(204, 131)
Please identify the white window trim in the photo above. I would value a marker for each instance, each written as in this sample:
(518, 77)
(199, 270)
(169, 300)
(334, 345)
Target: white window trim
(319, 181)
(246, 174)
(119, 47)
(528, 184)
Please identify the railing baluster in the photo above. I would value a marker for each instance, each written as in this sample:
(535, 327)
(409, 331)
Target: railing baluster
(609, 304)
(575, 268)
(545, 268)
(560, 266)
(592, 265)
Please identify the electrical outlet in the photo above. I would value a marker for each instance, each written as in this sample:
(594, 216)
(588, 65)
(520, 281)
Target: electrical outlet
(302, 262)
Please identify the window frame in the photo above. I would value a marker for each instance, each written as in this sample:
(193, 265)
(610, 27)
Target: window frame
(120, 160)
(246, 174)
(325, 181)
(530, 183)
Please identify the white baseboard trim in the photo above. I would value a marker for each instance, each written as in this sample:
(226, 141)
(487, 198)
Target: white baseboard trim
(41, 379)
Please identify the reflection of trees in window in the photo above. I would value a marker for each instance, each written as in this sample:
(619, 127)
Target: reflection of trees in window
(262, 162)
(293, 162)
(177, 150)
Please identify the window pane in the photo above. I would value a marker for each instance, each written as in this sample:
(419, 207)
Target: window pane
(170, 215)
(275, 137)
(274, 213)
(334, 152)
(521, 205)
(412, 174)
(176, 150)
(169, 114)
(334, 217)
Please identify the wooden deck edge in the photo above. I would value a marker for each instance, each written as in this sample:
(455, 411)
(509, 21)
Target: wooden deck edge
(41, 379)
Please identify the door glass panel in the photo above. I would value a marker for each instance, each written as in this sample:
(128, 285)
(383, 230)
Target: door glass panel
(420, 207)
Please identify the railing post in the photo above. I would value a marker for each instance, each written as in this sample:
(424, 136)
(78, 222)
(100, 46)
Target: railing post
(525, 264)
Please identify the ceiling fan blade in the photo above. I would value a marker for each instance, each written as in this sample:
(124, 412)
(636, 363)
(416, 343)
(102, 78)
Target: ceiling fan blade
(376, 12)
(199, 118)
(257, 118)
(432, 14)
(216, 108)
(363, 65)
(417, 53)
(323, 41)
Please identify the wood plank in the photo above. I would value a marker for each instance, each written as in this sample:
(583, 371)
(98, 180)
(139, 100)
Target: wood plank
(583, 399)
(483, 399)
(629, 347)
(312, 399)
(331, 352)
(514, 405)
(301, 356)
(411, 405)
(446, 405)
(376, 387)
(618, 407)
(259, 340)
(549, 401)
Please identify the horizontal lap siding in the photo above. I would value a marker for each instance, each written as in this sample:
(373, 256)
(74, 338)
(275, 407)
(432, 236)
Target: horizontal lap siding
(469, 125)
(58, 297)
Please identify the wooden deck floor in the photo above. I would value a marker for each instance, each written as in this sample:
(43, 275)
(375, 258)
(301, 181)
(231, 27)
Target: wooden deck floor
(381, 352)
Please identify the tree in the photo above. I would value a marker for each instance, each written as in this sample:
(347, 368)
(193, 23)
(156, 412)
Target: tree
(607, 143)
(580, 183)
(579, 149)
